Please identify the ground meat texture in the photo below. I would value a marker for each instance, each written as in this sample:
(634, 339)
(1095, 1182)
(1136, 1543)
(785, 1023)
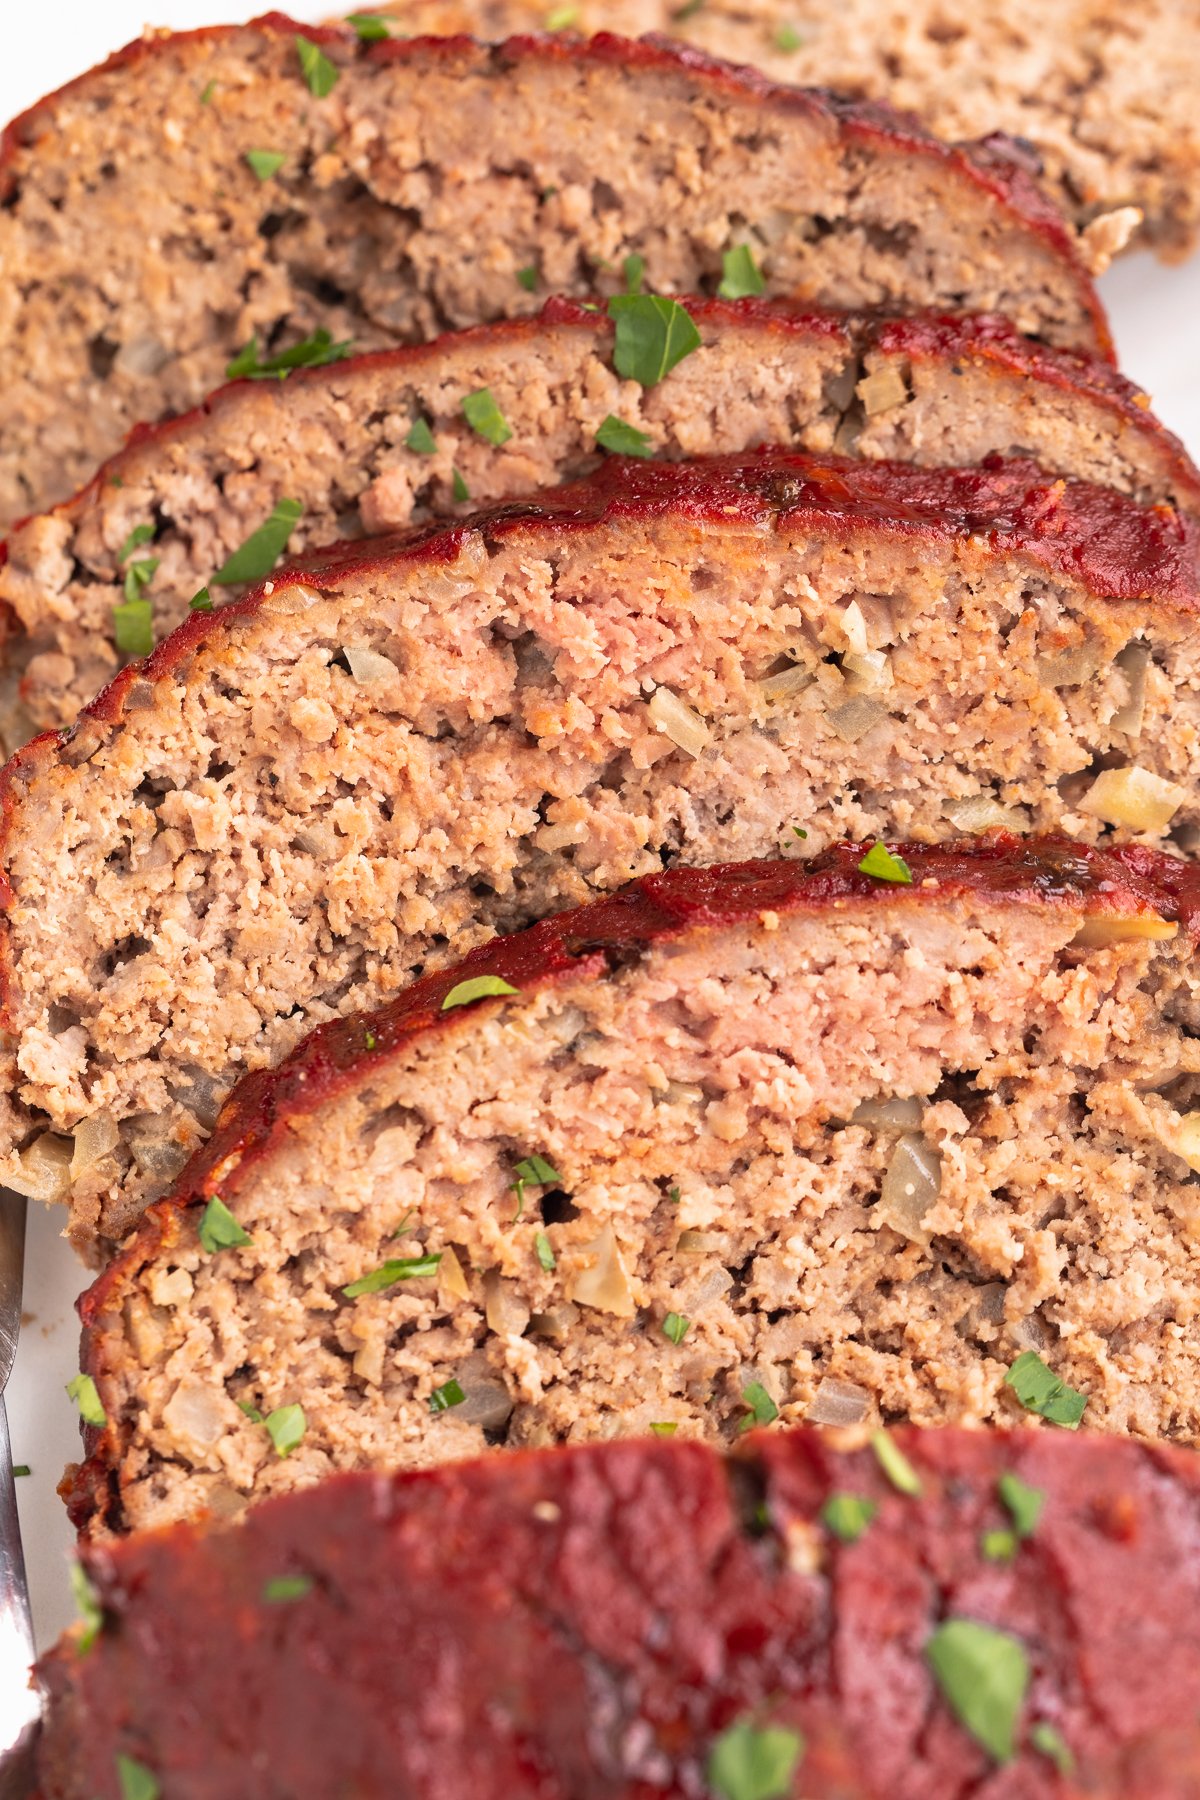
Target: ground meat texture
(763, 1135)
(590, 1624)
(386, 756)
(1102, 96)
(141, 251)
(927, 391)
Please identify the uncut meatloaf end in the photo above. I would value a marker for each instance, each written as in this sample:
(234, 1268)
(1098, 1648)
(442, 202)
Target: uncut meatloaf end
(930, 391)
(399, 747)
(419, 186)
(600, 1623)
(776, 1134)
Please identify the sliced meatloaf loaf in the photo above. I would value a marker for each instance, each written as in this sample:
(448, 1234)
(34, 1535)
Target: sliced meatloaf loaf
(1102, 94)
(929, 1614)
(262, 182)
(386, 755)
(764, 1139)
(370, 444)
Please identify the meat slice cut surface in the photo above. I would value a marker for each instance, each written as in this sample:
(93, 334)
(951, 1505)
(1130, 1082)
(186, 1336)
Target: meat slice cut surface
(374, 443)
(636, 1620)
(268, 182)
(771, 1139)
(403, 745)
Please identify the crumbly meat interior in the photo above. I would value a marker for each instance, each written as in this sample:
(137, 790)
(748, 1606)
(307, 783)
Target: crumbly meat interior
(411, 196)
(338, 445)
(375, 778)
(728, 1204)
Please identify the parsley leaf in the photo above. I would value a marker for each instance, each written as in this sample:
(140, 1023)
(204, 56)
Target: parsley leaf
(133, 627)
(459, 488)
(983, 1675)
(848, 1515)
(287, 1587)
(664, 1427)
(401, 1268)
(137, 1781)
(753, 1762)
(676, 1327)
(880, 863)
(741, 277)
(478, 987)
(207, 92)
(21, 1469)
(315, 352)
(485, 418)
(285, 1428)
(1041, 1391)
(634, 270)
(201, 601)
(545, 1251)
(895, 1465)
(528, 278)
(138, 577)
(262, 549)
(788, 39)
(421, 439)
(1024, 1503)
(320, 75)
(369, 26)
(219, 1230)
(251, 1412)
(446, 1396)
(622, 439)
(999, 1546)
(141, 534)
(561, 17)
(1050, 1741)
(266, 163)
(87, 1604)
(532, 1171)
(653, 334)
(763, 1410)
(82, 1390)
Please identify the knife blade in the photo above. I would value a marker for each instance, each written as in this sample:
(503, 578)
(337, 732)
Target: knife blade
(20, 1705)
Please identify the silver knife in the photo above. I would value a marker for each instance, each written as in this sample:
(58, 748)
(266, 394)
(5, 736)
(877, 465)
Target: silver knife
(20, 1706)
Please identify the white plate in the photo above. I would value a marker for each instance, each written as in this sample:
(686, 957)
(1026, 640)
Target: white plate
(1153, 313)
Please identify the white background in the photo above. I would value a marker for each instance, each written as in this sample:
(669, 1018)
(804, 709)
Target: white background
(1155, 312)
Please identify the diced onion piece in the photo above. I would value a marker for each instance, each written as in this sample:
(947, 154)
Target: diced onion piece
(703, 1243)
(45, 1172)
(1134, 797)
(368, 665)
(451, 1277)
(197, 1412)
(899, 1113)
(855, 628)
(1071, 667)
(1134, 664)
(681, 1093)
(293, 599)
(838, 1403)
(605, 1285)
(486, 1401)
(912, 1182)
(868, 672)
(1113, 929)
(882, 390)
(94, 1139)
(980, 812)
(506, 1315)
(856, 717)
(785, 685)
(144, 355)
(557, 1321)
(678, 722)
(1029, 1333)
(1184, 1138)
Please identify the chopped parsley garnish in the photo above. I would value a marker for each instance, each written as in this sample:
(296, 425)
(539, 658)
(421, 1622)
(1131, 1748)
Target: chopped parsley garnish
(676, 1327)
(219, 1230)
(82, 1390)
(998, 1546)
(138, 577)
(420, 438)
(397, 1229)
(1050, 1741)
(137, 1781)
(285, 1428)
(446, 1396)
(21, 1469)
(478, 987)
(983, 1675)
(741, 277)
(314, 352)
(141, 534)
(368, 1040)
(561, 17)
(673, 1196)
(133, 626)
(754, 1762)
(251, 1412)
(485, 418)
(880, 863)
(788, 39)
(532, 1171)
(664, 1427)
(1024, 1503)
(622, 439)
(653, 334)
(848, 1515)
(545, 1251)
(369, 26)
(634, 270)
(1041, 1391)
(87, 1605)
(263, 548)
(320, 75)
(287, 1587)
(798, 831)
(687, 10)
(528, 278)
(400, 1268)
(895, 1465)
(458, 487)
(201, 601)
(266, 163)
(763, 1410)
(207, 92)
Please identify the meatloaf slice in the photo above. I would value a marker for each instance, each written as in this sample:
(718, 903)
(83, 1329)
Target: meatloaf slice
(761, 1139)
(268, 180)
(339, 441)
(407, 744)
(865, 1621)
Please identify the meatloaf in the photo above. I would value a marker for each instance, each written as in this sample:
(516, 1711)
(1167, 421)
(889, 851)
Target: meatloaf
(1101, 93)
(372, 443)
(205, 191)
(927, 1614)
(404, 745)
(890, 1134)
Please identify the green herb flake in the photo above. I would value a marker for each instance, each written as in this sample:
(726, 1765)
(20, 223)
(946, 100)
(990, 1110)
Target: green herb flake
(561, 18)
(1041, 1391)
(1023, 1503)
(622, 439)
(479, 987)
(528, 278)
(403, 1225)
(285, 1428)
(420, 438)
(532, 1171)
(798, 831)
(664, 1427)
(545, 1251)
(653, 334)
(754, 1762)
(676, 1327)
(320, 75)
(201, 602)
(458, 487)
(403, 1268)
(315, 352)
(688, 10)
(880, 863)
(763, 1410)
(21, 1469)
(485, 418)
(251, 1412)
(138, 577)
(446, 1396)
(673, 1195)
(848, 1515)
(207, 92)
(266, 163)
(741, 277)
(219, 1230)
(369, 26)
(133, 627)
(282, 1588)
(137, 1781)
(998, 1546)
(141, 534)
(82, 1390)
(895, 1465)
(788, 39)
(87, 1605)
(1050, 1741)
(983, 1675)
(634, 270)
(263, 548)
